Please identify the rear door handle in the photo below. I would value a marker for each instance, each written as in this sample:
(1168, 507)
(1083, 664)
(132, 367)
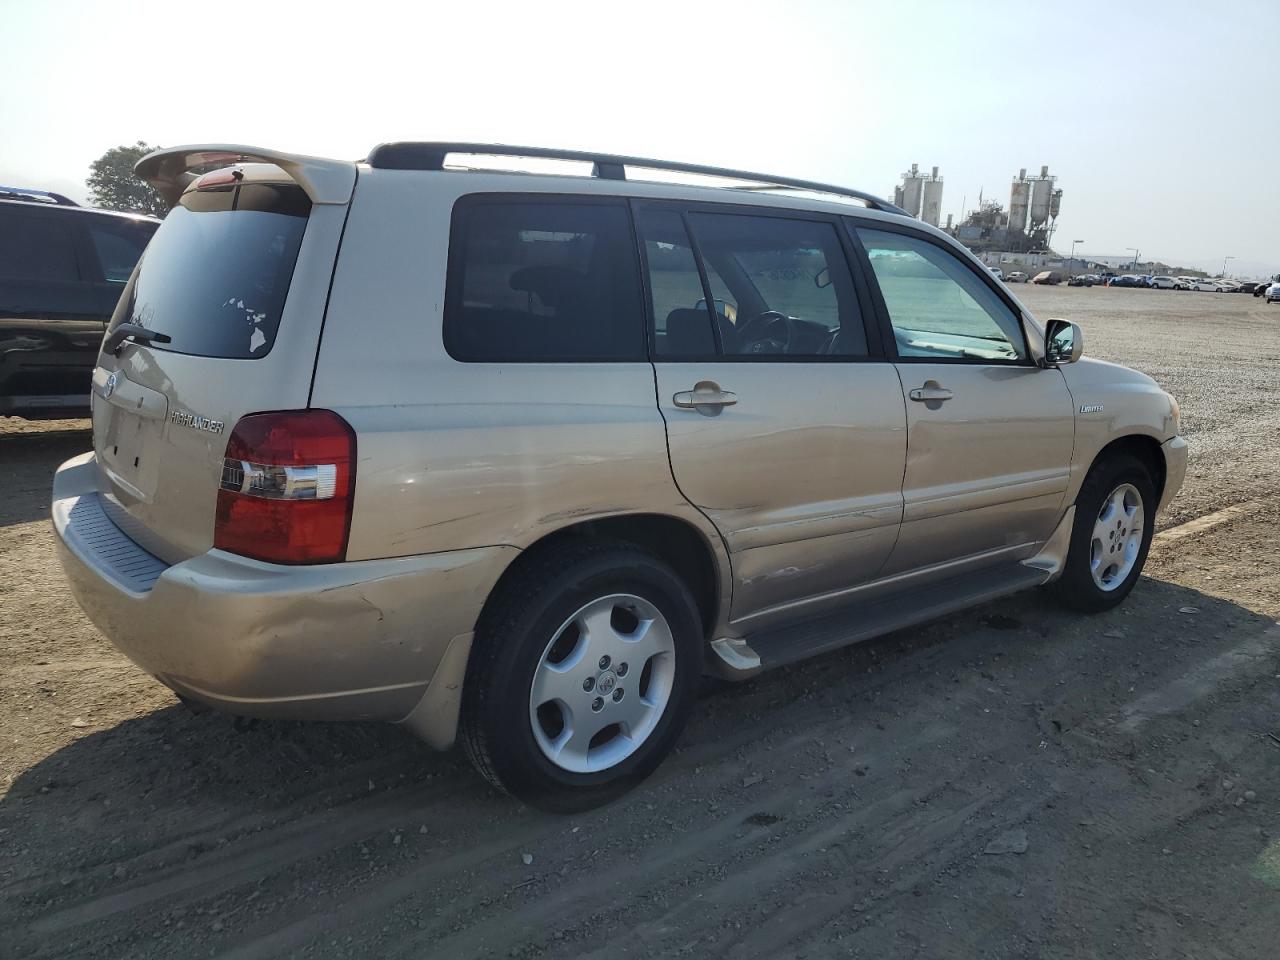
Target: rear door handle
(930, 393)
(705, 393)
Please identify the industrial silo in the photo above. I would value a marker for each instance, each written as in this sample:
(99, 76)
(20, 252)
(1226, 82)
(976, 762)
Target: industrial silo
(932, 207)
(1019, 201)
(1041, 197)
(912, 188)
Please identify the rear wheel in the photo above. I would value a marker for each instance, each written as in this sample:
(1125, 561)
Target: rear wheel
(583, 673)
(1115, 518)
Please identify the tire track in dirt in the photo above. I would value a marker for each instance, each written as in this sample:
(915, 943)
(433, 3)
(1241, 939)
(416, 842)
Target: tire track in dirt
(850, 855)
(691, 858)
(174, 850)
(300, 845)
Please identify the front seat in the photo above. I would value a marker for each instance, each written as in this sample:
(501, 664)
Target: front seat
(689, 333)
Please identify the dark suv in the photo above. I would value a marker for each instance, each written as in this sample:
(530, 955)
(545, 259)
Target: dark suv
(62, 268)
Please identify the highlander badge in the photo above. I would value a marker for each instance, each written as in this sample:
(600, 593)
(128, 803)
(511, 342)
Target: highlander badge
(196, 422)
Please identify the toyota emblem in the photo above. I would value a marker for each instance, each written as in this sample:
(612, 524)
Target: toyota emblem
(109, 387)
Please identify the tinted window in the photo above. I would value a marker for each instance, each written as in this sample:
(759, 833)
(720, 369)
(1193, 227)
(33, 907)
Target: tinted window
(215, 276)
(681, 322)
(782, 286)
(725, 303)
(534, 280)
(119, 245)
(939, 308)
(34, 247)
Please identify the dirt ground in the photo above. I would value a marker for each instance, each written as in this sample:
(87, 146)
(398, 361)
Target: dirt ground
(1015, 781)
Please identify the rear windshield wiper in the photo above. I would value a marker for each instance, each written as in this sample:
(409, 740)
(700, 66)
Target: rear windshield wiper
(132, 331)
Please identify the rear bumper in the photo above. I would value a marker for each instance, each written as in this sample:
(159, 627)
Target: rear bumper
(45, 406)
(369, 640)
(1175, 470)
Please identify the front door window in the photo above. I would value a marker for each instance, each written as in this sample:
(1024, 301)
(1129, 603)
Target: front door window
(939, 308)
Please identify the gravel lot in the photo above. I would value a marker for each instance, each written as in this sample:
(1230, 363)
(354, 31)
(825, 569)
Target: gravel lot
(1012, 782)
(1217, 353)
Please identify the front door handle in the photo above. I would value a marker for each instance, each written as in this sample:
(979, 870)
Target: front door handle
(931, 392)
(705, 397)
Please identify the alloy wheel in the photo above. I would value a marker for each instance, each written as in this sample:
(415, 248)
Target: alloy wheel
(1117, 537)
(602, 684)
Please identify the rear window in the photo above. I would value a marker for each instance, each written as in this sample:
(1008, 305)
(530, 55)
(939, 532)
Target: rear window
(543, 281)
(215, 276)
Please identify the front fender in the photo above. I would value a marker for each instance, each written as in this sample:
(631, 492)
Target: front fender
(1112, 401)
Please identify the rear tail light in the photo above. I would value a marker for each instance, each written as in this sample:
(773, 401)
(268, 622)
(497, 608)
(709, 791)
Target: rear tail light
(288, 481)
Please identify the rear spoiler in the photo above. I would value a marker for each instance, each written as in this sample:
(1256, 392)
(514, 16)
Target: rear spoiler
(170, 170)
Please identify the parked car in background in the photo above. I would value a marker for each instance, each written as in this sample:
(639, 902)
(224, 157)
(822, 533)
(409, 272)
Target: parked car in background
(1263, 286)
(1249, 286)
(1208, 285)
(1167, 283)
(62, 269)
(507, 536)
(1047, 277)
(1273, 293)
(1016, 277)
(996, 272)
(1126, 280)
(1082, 280)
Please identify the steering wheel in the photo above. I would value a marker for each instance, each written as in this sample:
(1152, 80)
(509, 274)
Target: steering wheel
(766, 322)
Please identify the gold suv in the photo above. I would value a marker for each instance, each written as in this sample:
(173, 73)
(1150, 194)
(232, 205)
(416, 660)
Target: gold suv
(513, 457)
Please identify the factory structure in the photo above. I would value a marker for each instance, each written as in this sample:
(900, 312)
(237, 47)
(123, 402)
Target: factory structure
(1026, 227)
(920, 194)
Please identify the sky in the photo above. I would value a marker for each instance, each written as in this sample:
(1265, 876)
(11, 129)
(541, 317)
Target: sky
(1160, 119)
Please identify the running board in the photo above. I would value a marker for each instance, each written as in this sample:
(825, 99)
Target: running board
(873, 617)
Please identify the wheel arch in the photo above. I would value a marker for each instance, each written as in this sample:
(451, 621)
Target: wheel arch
(674, 540)
(1146, 450)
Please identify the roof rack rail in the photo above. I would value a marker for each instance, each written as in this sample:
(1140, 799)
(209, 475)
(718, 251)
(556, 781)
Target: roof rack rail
(36, 196)
(412, 155)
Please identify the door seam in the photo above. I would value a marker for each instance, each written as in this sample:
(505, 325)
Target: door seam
(671, 468)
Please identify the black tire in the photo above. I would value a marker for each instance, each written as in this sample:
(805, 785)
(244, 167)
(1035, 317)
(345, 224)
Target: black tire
(1076, 588)
(513, 633)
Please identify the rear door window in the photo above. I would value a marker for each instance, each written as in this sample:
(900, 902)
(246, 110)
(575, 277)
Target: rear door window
(542, 280)
(781, 286)
(216, 273)
(37, 248)
(681, 320)
(119, 245)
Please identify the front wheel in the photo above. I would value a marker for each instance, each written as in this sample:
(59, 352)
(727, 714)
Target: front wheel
(1115, 519)
(583, 672)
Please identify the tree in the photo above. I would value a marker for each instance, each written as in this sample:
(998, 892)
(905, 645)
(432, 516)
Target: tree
(114, 186)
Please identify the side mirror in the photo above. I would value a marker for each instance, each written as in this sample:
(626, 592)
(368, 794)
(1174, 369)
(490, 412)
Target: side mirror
(823, 279)
(1063, 342)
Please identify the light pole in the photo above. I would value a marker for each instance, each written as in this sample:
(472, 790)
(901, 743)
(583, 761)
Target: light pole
(1224, 266)
(1073, 253)
(1135, 256)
